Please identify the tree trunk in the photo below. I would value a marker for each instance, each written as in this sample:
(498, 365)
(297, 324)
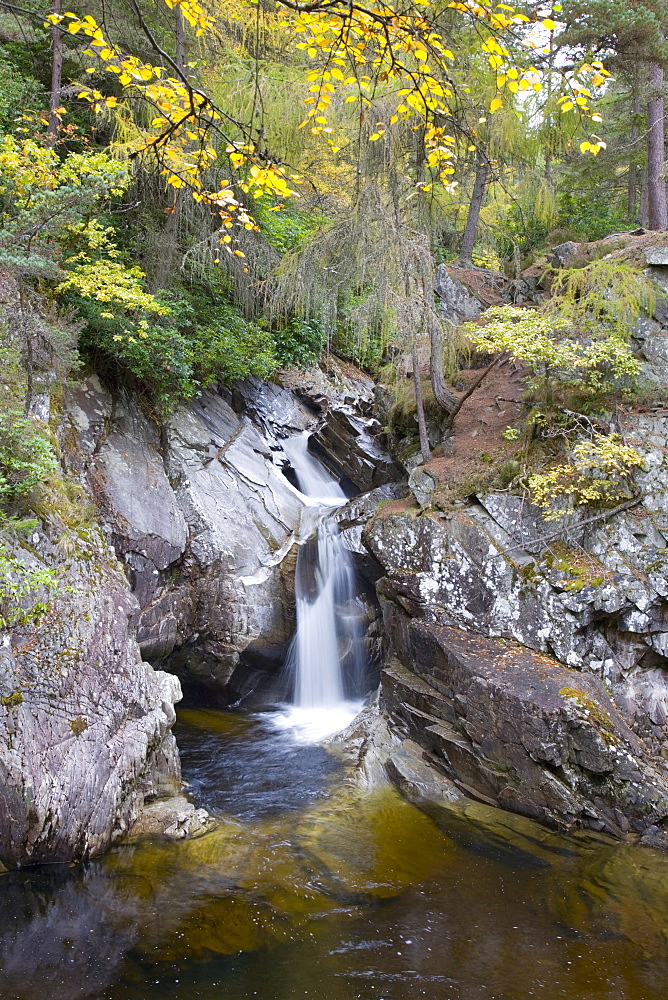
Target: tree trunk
(419, 406)
(477, 198)
(168, 259)
(656, 184)
(56, 76)
(181, 54)
(632, 206)
(644, 208)
(444, 395)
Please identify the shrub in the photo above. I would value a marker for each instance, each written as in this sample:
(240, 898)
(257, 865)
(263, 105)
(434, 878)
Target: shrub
(299, 343)
(593, 367)
(26, 457)
(599, 471)
(25, 591)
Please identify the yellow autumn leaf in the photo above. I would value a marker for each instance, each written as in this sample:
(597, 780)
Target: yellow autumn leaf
(496, 104)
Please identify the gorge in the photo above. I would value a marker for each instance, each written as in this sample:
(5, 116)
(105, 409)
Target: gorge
(275, 598)
(333, 500)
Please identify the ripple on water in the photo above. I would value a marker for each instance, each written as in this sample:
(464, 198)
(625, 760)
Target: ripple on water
(254, 765)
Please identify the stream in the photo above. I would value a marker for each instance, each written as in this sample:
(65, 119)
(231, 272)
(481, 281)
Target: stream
(313, 884)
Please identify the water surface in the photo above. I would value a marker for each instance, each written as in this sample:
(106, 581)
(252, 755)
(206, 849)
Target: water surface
(311, 888)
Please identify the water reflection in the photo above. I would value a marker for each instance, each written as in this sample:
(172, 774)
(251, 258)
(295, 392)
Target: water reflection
(341, 896)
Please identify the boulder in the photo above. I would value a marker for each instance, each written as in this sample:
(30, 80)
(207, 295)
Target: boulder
(455, 302)
(520, 730)
(568, 254)
(422, 484)
(594, 598)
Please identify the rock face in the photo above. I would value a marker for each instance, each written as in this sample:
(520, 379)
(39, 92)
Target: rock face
(455, 301)
(347, 438)
(205, 520)
(595, 599)
(85, 725)
(595, 603)
(521, 731)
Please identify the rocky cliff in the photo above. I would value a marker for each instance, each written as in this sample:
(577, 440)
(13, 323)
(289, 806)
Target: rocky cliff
(529, 662)
(185, 559)
(85, 724)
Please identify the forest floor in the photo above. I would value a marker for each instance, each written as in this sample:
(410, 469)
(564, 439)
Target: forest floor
(472, 457)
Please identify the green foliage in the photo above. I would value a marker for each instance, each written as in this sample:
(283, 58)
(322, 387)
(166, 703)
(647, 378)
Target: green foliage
(577, 352)
(26, 453)
(26, 457)
(287, 229)
(177, 351)
(43, 200)
(25, 591)
(17, 92)
(230, 347)
(556, 359)
(522, 230)
(589, 213)
(604, 298)
(299, 343)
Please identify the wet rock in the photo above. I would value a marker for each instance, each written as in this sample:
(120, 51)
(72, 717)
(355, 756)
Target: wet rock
(520, 730)
(417, 779)
(335, 383)
(242, 517)
(346, 438)
(203, 520)
(175, 817)
(349, 445)
(85, 724)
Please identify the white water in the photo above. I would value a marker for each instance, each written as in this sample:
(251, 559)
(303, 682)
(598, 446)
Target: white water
(314, 480)
(325, 606)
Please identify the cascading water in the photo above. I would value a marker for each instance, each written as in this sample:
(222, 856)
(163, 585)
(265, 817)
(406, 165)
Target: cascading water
(327, 652)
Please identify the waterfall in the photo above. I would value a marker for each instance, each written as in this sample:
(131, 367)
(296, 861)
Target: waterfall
(328, 637)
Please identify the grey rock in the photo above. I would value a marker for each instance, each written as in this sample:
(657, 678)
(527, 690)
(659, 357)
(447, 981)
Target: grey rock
(204, 521)
(129, 483)
(349, 445)
(487, 568)
(455, 301)
(418, 780)
(175, 817)
(566, 254)
(656, 256)
(85, 725)
(520, 730)
(422, 485)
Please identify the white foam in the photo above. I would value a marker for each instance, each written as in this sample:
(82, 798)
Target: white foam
(312, 725)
